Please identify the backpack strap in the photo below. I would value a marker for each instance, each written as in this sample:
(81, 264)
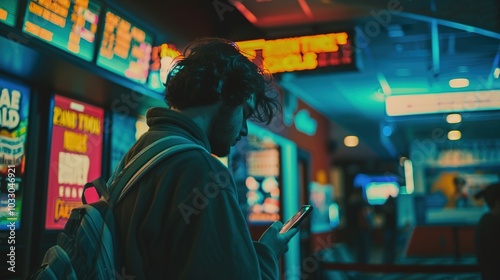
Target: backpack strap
(144, 161)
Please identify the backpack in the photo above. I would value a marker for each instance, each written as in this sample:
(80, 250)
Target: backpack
(87, 248)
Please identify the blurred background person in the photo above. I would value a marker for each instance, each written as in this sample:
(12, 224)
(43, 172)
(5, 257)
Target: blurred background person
(488, 234)
(362, 225)
(390, 228)
(461, 191)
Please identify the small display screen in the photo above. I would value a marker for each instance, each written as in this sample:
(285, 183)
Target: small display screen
(125, 48)
(70, 25)
(8, 11)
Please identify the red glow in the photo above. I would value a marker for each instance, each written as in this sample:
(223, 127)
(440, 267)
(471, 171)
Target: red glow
(305, 8)
(251, 17)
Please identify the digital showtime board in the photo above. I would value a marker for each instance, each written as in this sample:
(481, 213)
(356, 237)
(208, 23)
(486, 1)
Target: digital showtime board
(295, 54)
(70, 25)
(8, 11)
(125, 48)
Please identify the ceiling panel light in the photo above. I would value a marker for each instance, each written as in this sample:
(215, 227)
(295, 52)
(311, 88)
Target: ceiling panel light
(351, 141)
(453, 118)
(454, 135)
(459, 83)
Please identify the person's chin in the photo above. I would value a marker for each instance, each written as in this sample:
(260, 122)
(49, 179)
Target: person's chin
(221, 152)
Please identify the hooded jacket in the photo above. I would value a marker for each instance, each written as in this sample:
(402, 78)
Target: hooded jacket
(182, 219)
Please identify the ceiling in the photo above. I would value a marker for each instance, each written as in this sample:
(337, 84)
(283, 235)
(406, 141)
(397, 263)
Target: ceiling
(407, 47)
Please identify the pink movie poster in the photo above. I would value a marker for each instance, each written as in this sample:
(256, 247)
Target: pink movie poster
(75, 157)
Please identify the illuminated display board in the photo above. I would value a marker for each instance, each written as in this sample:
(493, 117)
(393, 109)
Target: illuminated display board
(14, 113)
(8, 11)
(75, 157)
(70, 25)
(125, 48)
(301, 53)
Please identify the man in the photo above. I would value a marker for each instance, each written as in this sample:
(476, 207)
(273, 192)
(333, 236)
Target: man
(183, 220)
(390, 229)
(488, 234)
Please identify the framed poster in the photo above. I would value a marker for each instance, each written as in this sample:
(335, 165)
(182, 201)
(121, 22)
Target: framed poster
(75, 157)
(14, 114)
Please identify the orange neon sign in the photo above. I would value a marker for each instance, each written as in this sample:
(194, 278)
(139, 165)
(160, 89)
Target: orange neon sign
(300, 53)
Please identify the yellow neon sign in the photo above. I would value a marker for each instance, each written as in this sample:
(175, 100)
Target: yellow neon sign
(299, 53)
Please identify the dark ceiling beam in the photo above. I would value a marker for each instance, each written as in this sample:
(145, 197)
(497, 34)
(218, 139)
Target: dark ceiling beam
(484, 19)
(452, 24)
(434, 42)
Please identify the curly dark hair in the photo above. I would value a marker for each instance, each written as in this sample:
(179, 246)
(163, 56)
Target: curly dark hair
(214, 69)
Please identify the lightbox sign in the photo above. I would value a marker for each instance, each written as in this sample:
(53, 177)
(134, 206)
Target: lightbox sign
(446, 102)
(301, 53)
(75, 157)
(14, 114)
(8, 11)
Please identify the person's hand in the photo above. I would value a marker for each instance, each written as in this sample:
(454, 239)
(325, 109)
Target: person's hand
(278, 242)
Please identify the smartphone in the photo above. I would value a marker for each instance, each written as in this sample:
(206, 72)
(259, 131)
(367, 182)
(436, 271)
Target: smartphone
(295, 221)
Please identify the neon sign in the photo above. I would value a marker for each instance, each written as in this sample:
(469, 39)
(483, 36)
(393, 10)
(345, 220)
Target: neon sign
(162, 59)
(300, 53)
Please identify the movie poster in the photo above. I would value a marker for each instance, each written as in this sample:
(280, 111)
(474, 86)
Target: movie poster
(450, 193)
(14, 113)
(75, 157)
(456, 187)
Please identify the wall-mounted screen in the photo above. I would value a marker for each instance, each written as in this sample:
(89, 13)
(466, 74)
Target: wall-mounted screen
(377, 188)
(377, 193)
(125, 132)
(454, 188)
(125, 48)
(8, 11)
(75, 157)
(325, 215)
(255, 164)
(14, 113)
(294, 54)
(450, 191)
(70, 25)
